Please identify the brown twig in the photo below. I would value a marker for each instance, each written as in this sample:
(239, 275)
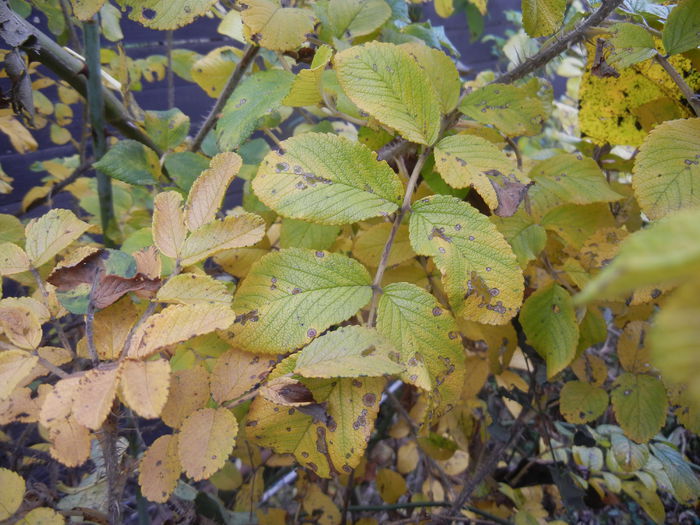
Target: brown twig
(692, 97)
(54, 321)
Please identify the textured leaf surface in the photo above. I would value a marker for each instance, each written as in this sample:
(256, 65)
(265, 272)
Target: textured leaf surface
(274, 27)
(632, 44)
(640, 405)
(236, 372)
(306, 89)
(51, 233)
(667, 168)
(662, 253)
(94, 396)
(353, 18)
(145, 385)
(168, 129)
(131, 162)
(350, 351)
(231, 232)
(384, 80)
(327, 179)
(469, 160)
(369, 245)
(427, 338)
(442, 72)
(189, 391)
(205, 441)
(302, 234)
(549, 321)
(479, 271)
(159, 469)
(12, 492)
(582, 402)
(178, 323)
(207, 192)
(15, 366)
(169, 230)
(192, 288)
(254, 98)
(526, 237)
(13, 259)
(542, 17)
(318, 288)
(685, 483)
(20, 325)
(682, 29)
(167, 14)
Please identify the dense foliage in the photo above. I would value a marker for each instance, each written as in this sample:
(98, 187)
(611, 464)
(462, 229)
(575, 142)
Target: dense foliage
(444, 297)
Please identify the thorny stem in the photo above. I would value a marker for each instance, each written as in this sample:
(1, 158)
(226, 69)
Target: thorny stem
(90, 321)
(410, 187)
(57, 325)
(248, 56)
(692, 98)
(170, 78)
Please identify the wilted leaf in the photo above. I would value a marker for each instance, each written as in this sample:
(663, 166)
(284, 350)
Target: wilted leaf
(159, 469)
(640, 405)
(145, 385)
(51, 233)
(205, 441)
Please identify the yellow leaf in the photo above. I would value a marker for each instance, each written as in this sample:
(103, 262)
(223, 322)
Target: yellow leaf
(23, 405)
(441, 71)
(370, 243)
(205, 441)
(207, 192)
(189, 391)
(167, 14)
(212, 71)
(59, 402)
(42, 516)
(178, 323)
(70, 442)
(159, 469)
(145, 385)
(236, 372)
(94, 395)
(85, 9)
(238, 262)
(111, 327)
(632, 351)
(169, 230)
(391, 485)
(582, 402)
(591, 369)
(12, 492)
(51, 233)
(306, 89)
(321, 506)
(20, 138)
(232, 232)
(13, 259)
(191, 288)
(20, 325)
(274, 27)
(15, 366)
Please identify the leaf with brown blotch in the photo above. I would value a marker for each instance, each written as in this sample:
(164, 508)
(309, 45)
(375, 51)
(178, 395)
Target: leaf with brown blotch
(178, 323)
(169, 230)
(207, 192)
(59, 402)
(145, 385)
(236, 372)
(205, 441)
(159, 469)
(509, 191)
(20, 325)
(23, 406)
(286, 391)
(15, 366)
(111, 287)
(95, 394)
(77, 268)
(189, 391)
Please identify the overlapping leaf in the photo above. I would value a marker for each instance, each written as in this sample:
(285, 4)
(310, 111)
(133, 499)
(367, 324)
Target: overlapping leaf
(51, 233)
(542, 17)
(682, 29)
(306, 89)
(275, 27)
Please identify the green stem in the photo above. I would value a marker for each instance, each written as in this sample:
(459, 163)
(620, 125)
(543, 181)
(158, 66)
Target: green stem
(419, 504)
(91, 34)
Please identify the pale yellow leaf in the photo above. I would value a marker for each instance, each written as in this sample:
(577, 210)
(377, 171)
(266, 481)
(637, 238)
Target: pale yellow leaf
(207, 192)
(169, 230)
(12, 492)
(205, 441)
(189, 391)
(42, 516)
(20, 325)
(51, 233)
(70, 442)
(191, 288)
(111, 327)
(236, 372)
(94, 395)
(145, 385)
(370, 243)
(20, 138)
(321, 506)
(13, 259)
(274, 27)
(159, 469)
(15, 366)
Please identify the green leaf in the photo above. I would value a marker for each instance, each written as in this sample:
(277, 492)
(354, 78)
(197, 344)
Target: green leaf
(468, 160)
(352, 18)
(640, 405)
(682, 28)
(166, 14)
(631, 43)
(575, 224)
(549, 321)
(386, 82)
(479, 270)
(167, 128)
(513, 110)
(665, 252)
(291, 296)
(427, 338)
(441, 71)
(525, 237)
(306, 89)
(350, 351)
(274, 27)
(184, 167)
(647, 499)
(255, 97)
(109, 21)
(302, 234)
(582, 402)
(573, 179)
(132, 162)
(667, 169)
(327, 179)
(542, 17)
(686, 487)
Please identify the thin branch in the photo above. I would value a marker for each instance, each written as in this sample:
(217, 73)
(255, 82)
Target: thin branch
(233, 81)
(692, 97)
(269, 134)
(90, 321)
(421, 504)
(410, 187)
(169, 76)
(51, 367)
(59, 186)
(72, 34)
(57, 325)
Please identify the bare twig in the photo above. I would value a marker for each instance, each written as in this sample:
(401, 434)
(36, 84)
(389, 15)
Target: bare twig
(51, 367)
(169, 77)
(248, 56)
(410, 187)
(57, 325)
(90, 321)
(692, 97)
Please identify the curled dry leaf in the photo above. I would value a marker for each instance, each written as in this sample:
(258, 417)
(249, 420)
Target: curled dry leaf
(286, 391)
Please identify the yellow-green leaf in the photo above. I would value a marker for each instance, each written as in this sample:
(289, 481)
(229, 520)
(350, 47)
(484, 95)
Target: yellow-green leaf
(289, 297)
(306, 89)
(647, 499)
(325, 178)
(12, 492)
(42, 516)
(212, 71)
(85, 9)
(51, 233)
(384, 80)
(167, 14)
(13, 259)
(131, 162)
(169, 230)
(205, 441)
(145, 385)
(302, 234)
(632, 43)
(159, 469)
(15, 366)
(391, 485)
(441, 70)
(682, 29)
(193, 288)
(549, 321)
(232, 232)
(542, 17)
(352, 18)
(207, 192)
(640, 405)
(667, 168)
(369, 245)
(526, 237)
(350, 351)
(479, 271)
(581, 402)
(274, 27)
(686, 487)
